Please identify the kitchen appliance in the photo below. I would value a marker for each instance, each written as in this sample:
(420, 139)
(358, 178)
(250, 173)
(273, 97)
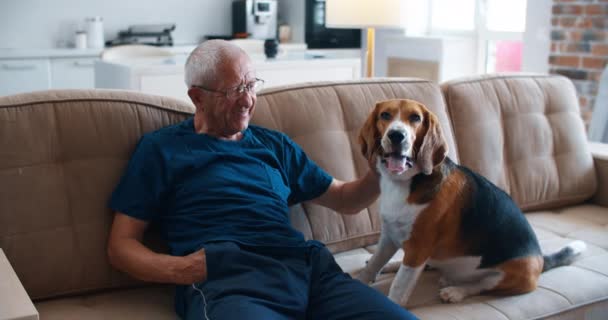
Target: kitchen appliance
(255, 19)
(149, 34)
(319, 37)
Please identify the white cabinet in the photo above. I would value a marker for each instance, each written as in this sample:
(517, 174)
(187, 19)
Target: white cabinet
(166, 76)
(72, 73)
(23, 75)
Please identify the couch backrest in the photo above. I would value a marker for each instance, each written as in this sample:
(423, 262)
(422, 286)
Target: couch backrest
(61, 155)
(63, 152)
(525, 134)
(324, 119)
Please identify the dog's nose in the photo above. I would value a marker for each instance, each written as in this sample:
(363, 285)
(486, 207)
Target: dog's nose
(396, 137)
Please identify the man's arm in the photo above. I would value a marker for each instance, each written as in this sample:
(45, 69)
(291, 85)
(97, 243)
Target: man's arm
(127, 253)
(351, 197)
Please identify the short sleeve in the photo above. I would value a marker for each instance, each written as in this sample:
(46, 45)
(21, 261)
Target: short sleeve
(140, 191)
(306, 179)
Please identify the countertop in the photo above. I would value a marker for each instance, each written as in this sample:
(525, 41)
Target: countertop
(45, 53)
(180, 60)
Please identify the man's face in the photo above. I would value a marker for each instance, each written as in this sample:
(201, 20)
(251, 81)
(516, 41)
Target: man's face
(226, 115)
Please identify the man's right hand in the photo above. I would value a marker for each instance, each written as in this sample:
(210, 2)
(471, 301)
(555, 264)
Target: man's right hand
(127, 253)
(194, 268)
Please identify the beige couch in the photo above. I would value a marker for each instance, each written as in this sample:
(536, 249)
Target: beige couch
(62, 153)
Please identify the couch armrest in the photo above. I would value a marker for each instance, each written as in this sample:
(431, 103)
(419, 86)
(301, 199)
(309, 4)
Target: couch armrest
(600, 159)
(15, 304)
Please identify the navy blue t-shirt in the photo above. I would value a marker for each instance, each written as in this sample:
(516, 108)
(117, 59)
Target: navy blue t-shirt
(202, 189)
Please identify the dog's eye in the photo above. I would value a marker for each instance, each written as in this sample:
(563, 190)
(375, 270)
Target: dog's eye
(385, 116)
(415, 118)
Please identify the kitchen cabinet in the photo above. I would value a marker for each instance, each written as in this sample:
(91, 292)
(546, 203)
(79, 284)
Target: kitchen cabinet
(166, 76)
(23, 75)
(72, 73)
(25, 70)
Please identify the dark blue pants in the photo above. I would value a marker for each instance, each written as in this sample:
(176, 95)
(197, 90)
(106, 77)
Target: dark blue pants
(281, 283)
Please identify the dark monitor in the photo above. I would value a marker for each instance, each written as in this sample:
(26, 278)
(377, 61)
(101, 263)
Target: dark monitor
(320, 37)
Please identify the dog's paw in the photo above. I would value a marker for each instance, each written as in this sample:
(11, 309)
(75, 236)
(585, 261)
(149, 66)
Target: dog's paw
(397, 299)
(452, 294)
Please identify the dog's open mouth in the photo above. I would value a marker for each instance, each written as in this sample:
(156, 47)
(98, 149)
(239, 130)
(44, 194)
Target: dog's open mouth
(397, 163)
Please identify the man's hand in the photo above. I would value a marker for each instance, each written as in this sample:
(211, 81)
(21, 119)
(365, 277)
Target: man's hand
(193, 269)
(372, 165)
(127, 253)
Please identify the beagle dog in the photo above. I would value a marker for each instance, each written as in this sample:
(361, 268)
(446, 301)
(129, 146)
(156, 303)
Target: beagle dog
(445, 215)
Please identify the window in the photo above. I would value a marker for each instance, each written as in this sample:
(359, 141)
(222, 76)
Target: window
(502, 34)
(450, 15)
(506, 15)
(504, 56)
(496, 25)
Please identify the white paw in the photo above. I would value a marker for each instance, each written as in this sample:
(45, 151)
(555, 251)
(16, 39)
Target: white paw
(452, 294)
(397, 299)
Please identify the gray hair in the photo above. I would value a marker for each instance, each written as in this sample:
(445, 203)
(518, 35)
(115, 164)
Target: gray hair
(205, 60)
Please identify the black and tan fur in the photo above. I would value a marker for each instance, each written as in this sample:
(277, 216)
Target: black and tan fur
(445, 215)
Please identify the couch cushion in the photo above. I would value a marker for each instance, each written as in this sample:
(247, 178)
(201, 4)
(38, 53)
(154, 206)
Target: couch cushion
(525, 134)
(571, 292)
(61, 155)
(325, 119)
(560, 290)
(136, 304)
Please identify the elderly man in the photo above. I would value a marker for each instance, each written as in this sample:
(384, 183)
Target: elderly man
(220, 189)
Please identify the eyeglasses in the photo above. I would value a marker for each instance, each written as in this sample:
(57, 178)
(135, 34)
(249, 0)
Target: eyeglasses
(235, 92)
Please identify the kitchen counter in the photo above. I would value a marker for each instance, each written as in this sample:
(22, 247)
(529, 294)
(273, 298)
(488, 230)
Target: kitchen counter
(165, 76)
(45, 53)
(31, 69)
(33, 53)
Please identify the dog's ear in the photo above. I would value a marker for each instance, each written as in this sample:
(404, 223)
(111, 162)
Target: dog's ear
(433, 148)
(369, 137)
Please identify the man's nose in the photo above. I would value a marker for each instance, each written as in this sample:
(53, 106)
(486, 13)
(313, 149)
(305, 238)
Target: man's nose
(246, 95)
(395, 136)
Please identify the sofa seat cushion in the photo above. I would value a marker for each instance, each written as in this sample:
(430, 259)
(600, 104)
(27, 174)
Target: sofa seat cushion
(578, 286)
(578, 290)
(154, 302)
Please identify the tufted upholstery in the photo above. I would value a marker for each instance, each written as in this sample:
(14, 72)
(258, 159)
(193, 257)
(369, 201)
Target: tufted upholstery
(62, 152)
(325, 120)
(528, 136)
(61, 155)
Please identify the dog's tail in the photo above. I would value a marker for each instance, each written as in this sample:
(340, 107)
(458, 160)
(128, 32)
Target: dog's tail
(565, 256)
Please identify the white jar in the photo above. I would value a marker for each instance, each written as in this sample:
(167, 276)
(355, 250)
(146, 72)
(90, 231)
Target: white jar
(94, 27)
(80, 40)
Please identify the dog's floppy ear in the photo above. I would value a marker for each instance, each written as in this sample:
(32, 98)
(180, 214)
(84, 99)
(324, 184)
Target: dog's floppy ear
(433, 148)
(369, 137)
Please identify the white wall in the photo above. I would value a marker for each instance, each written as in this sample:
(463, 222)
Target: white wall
(52, 23)
(537, 38)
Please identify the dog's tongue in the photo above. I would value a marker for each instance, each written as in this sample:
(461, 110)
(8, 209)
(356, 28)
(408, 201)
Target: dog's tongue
(396, 165)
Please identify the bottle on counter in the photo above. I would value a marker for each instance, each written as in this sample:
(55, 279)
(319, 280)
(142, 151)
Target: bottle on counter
(80, 39)
(94, 27)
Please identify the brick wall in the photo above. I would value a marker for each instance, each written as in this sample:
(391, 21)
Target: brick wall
(579, 46)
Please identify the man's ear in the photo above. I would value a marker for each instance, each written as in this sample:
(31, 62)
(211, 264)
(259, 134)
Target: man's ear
(433, 148)
(196, 97)
(369, 137)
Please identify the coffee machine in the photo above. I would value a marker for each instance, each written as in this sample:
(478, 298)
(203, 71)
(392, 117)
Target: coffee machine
(256, 19)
